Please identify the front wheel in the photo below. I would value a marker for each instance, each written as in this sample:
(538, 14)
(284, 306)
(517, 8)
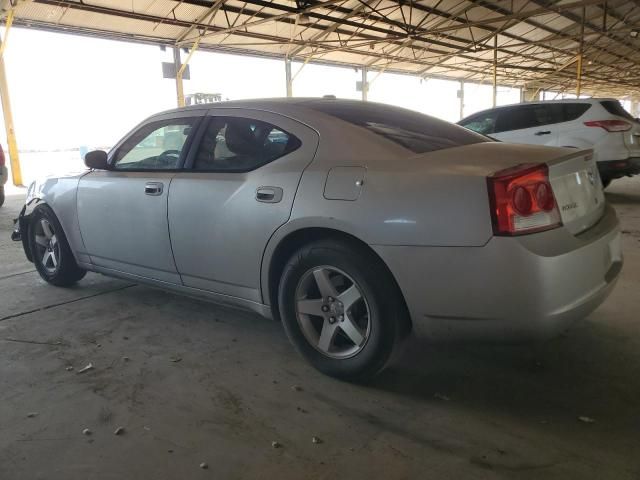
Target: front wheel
(50, 250)
(341, 309)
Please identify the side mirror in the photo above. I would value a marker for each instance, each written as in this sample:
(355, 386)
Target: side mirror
(97, 159)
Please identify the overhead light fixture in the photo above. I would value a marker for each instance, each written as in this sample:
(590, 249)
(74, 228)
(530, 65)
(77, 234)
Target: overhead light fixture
(304, 19)
(633, 33)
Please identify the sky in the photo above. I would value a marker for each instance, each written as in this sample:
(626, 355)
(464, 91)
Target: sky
(69, 91)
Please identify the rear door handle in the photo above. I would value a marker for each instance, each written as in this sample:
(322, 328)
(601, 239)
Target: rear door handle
(153, 188)
(269, 194)
(543, 132)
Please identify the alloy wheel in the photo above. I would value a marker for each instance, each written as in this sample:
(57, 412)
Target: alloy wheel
(47, 245)
(332, 312)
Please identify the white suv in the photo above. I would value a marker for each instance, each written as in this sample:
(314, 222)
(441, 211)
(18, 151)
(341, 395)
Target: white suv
(598, 123)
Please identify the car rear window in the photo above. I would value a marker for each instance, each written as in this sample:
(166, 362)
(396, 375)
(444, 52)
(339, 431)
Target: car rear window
(614, 108)
(414, 131)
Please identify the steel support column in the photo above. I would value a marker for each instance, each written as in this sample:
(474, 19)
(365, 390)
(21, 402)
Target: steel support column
(289, 79)
(16, 172)
(179, 86)
(580, 55)
(495, 70)
(461, 97)
(365, 84)
(180, 68)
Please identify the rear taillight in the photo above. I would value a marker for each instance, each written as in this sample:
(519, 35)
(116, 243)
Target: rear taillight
(2, 160)
(610, 125)
(522, 200)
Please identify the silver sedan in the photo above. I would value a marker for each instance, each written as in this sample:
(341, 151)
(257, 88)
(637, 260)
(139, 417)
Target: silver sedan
(353, 223)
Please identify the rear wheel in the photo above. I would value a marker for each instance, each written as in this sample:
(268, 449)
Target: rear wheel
(341, 309)
(50, 250)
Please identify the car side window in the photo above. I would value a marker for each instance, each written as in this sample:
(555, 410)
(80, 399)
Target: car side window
(527, 116)
(155, 146)
(483, 123)
(236, 144)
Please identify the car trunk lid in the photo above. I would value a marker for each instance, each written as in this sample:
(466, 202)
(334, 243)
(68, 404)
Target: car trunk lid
(578, 190)
(573, 174)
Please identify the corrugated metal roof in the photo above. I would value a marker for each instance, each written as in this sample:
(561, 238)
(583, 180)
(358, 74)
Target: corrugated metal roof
(537, 42)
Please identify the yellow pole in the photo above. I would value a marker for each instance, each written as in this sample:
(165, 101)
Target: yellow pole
(179, 86)
(8, 23)
(495, 70)
(181, 68)
(580, 55)
(6, 110)
(579, 76)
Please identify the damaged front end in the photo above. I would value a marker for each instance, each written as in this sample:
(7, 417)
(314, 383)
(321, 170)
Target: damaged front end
(20, 231)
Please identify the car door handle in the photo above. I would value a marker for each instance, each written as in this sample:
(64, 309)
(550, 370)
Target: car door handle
(269, 194)
(153, 188)
(543, 132)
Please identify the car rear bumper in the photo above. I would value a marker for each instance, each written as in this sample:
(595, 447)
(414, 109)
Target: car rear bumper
(619, 168)
(513, 288)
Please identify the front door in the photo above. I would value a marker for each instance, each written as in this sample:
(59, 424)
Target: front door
(123, 212)
(239, 190)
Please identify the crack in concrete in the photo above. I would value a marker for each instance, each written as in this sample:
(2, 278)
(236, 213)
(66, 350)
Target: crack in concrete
(17, 274)
(47, 307)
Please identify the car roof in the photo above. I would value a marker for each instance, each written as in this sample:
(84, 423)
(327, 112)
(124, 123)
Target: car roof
(313, 111)
(542, 102)
(276, 103)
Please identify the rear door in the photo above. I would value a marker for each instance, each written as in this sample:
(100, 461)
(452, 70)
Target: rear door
(237, 189)
(535, 124)
(123, 212)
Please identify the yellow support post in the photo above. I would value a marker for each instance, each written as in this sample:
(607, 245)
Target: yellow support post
(180, 68)
(6, 110)
(495, 70)
(579, 76)
(580, 55)
(288, 77)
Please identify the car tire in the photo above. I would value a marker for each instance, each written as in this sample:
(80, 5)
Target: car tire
(50, 249)
(368, 322)
(2, 195)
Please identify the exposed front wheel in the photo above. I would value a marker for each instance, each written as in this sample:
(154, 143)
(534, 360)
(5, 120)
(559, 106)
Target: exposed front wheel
(341, 309)
(50, 250)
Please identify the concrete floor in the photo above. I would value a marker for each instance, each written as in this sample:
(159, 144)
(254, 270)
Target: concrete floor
(441, 412)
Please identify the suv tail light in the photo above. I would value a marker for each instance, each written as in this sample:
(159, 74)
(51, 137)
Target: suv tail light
(2, 160)
(522, 200)
(610, 125)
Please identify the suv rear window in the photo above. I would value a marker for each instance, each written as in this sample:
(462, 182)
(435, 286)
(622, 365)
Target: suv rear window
(573, 111)
(614, 108)
(414, 131)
